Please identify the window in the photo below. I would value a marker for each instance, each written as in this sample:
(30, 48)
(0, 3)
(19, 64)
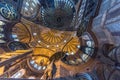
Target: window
(2, 35)
(2, 23)
(19, 74)
(30, 8)
(36, 67)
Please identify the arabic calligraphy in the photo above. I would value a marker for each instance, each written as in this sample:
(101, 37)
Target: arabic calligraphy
(8, 11)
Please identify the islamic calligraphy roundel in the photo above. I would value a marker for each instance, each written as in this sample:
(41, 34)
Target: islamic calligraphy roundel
(8, 11)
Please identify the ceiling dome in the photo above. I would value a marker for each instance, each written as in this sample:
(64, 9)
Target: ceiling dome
(57, 14)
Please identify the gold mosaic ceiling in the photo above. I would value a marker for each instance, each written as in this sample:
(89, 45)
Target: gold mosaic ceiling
(45, 41)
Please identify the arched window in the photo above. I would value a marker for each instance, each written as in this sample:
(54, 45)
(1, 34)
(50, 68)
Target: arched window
(30, 8)
(19, 74)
